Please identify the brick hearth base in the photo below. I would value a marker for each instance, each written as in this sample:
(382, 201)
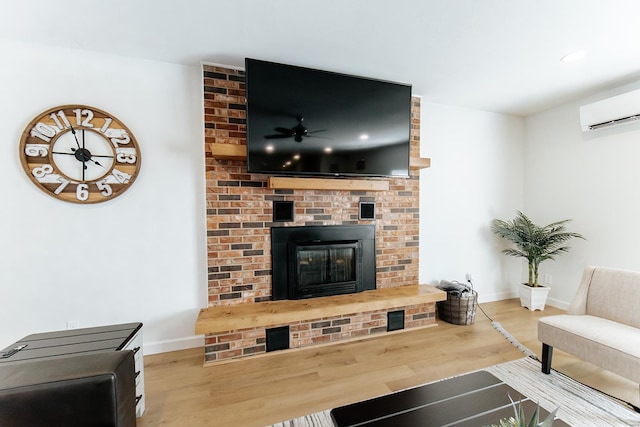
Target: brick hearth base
(247, 342)
(240, 330)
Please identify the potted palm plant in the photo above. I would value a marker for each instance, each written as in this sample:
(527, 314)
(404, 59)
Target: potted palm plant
(536, 244)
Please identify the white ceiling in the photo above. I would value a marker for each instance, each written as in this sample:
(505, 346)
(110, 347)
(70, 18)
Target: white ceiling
(495, 55)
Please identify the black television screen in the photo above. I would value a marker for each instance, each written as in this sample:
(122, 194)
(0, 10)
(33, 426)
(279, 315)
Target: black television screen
(302, 121)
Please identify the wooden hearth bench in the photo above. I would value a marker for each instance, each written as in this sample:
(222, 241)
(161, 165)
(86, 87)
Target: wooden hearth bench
(218, 321)
(242, 316)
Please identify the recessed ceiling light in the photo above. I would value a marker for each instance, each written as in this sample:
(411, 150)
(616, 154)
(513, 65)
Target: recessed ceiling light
(328, 150)
(573, 56)
(364, 137)
(269, 148)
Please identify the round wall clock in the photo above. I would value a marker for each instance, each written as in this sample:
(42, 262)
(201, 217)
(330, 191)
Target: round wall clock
(79, 154)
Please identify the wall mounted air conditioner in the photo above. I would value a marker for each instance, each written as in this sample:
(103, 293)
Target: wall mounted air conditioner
(615, 111)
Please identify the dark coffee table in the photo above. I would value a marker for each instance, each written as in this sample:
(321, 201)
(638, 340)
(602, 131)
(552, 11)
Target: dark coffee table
(472, 400)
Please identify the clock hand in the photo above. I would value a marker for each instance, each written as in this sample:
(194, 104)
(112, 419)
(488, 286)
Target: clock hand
(102, 156)
(82, 154)
(84, 159)
(73, 131)
(88, 158)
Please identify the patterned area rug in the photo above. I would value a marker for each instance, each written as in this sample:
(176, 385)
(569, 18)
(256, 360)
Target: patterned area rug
(579, 405)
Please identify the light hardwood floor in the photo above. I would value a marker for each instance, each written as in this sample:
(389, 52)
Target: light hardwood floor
(263, 390)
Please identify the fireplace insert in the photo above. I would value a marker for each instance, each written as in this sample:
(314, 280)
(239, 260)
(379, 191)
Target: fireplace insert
(317, 261)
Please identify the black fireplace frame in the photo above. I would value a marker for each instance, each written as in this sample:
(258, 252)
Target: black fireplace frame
(285, 240)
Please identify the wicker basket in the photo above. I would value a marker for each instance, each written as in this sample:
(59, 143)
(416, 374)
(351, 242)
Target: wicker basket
(458, 310)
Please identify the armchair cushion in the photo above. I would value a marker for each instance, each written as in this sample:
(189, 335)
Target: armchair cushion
(599, 341)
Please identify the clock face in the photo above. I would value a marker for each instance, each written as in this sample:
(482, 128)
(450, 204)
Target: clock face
(79, 154)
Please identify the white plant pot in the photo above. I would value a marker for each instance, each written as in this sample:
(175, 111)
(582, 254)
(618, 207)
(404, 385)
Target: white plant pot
(533, 298)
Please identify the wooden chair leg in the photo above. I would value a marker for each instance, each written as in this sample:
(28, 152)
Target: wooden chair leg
(547, 354)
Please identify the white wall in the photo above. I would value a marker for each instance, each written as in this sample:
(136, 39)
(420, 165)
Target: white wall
(592, 178)
(139, 257)
(142, 256)
(475, 176)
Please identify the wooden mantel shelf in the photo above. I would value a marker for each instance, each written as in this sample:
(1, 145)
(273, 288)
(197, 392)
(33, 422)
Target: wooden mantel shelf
(219, 319)
(421, 163)
(239, 152)
(289, 183)
(228, 151)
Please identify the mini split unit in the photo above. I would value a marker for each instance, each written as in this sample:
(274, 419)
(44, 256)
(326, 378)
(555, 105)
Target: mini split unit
(615, 111)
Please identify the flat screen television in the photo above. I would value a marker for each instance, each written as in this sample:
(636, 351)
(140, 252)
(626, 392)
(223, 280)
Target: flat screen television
(302, 121)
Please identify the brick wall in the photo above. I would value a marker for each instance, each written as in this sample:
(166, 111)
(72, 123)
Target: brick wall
(247, 342)
(239, 206)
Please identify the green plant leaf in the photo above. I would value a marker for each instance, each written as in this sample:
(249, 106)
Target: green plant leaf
(548, 422)
(533, 422)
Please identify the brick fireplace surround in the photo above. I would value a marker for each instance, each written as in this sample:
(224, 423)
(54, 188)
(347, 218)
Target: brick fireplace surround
(239, 215)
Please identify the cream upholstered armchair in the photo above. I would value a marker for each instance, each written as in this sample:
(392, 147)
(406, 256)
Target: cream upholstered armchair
(602, 324)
